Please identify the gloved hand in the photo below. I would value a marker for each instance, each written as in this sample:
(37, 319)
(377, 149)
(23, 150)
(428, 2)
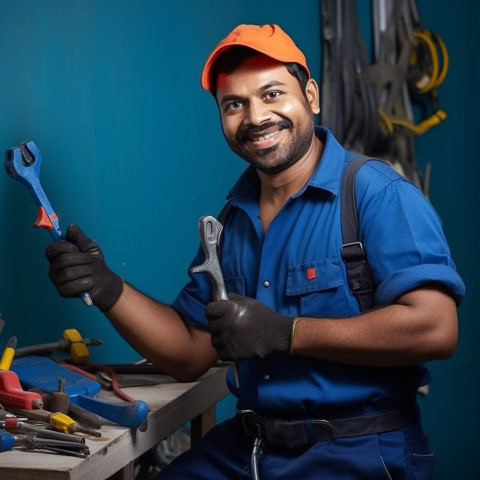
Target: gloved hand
(77, 265)
(243, 328)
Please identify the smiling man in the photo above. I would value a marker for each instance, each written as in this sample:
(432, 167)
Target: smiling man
(327, 389)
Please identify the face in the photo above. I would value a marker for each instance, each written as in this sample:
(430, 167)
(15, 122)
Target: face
(266, 118)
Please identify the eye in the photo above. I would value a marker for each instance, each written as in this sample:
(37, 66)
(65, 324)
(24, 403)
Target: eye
(233, 105)
(273, 95)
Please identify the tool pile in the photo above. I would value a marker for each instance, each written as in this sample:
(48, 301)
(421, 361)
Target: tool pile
(50, 405)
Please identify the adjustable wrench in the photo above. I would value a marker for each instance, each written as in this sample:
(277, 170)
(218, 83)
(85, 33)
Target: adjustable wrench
(23, 163)
(210, 230)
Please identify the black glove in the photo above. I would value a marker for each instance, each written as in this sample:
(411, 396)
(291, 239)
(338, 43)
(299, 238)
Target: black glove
(77, 265)
(242, 328)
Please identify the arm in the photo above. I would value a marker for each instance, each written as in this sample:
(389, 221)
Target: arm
(155, 330)
(420, 326)
(159, 333)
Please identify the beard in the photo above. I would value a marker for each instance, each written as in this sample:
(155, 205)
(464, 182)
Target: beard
(279, 157)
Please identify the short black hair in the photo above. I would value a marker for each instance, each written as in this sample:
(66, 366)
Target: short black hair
(231, 59)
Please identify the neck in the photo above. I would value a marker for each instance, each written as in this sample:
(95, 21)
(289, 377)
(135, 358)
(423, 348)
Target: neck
(278, 188)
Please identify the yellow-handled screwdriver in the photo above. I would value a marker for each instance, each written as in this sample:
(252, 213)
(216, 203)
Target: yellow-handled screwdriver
(8, 354)
(59, 421)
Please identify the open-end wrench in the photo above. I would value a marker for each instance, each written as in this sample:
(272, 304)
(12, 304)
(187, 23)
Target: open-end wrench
(23, 163)
(210, 230)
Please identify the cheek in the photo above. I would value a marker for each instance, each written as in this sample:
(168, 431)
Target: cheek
(229, 127)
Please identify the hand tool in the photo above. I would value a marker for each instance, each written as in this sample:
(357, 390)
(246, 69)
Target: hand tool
(59, 421)
(111, 383)
(65, 447)
(23, 163)
(81, 415)
(43, 372)
(60, 400)
(8, 354)
(14, 425)
(34, 442)
(12, 394)
(210, 230)
(7, 441)
(71, 342)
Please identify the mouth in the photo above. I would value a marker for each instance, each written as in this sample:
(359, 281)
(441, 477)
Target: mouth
(265, 136)
(262, 142)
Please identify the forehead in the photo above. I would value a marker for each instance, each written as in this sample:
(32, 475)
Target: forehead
(253, 73)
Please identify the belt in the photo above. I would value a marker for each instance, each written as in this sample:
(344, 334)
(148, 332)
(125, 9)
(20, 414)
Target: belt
(300, 433)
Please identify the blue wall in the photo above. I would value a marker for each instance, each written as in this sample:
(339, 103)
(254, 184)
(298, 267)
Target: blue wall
(132, 151)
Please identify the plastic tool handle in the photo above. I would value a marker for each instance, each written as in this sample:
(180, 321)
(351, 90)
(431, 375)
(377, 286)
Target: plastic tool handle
(13, 396)
(23, 164)
(125, 414)
(7, 441)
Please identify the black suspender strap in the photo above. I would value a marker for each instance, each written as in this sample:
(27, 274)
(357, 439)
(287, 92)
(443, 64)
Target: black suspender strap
(358, 272)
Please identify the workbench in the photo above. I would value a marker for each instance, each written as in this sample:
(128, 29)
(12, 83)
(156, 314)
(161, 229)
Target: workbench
(171, 406)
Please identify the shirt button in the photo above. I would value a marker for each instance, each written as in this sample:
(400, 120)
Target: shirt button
(266, 283)
(266, 377)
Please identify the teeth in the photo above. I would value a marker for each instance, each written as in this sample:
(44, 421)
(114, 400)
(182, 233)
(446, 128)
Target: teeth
(268, 135)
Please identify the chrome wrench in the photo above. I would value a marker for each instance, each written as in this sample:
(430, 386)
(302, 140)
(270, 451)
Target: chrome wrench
(210, 230)
(23, 163)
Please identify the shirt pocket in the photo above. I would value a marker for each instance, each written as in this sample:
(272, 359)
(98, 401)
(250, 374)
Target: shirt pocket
(318, 286)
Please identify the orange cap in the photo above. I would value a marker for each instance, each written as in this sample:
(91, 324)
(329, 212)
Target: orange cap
(270, 40)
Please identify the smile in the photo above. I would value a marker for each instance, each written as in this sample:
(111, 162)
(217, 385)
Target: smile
(267, 136)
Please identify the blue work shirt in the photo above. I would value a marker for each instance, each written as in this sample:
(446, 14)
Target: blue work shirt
(296, 269)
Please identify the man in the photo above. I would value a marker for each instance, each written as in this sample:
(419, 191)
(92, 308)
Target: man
(324, 390)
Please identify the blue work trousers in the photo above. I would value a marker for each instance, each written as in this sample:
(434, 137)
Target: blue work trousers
(224, 454)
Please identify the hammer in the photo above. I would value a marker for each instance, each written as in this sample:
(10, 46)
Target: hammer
(71, 342)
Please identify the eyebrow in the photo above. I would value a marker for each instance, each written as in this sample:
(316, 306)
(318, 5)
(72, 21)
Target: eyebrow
(260, 91)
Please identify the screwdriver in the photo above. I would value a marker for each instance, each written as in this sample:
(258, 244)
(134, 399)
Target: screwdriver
(14, 425)
(8, 354)
(59, 421)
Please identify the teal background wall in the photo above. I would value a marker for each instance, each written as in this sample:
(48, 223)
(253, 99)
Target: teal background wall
(133, 152)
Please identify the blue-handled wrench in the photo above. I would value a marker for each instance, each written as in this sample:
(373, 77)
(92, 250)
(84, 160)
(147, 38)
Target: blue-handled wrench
(23, 164)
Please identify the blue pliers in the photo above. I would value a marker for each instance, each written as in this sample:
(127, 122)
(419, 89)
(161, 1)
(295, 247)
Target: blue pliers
(23, 163)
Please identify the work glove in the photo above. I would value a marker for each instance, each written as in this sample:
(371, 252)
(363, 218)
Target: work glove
(77, 265)
(244, 328)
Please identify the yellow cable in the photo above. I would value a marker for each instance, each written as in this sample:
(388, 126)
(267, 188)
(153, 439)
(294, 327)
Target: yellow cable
(419, 129)
(427, 81)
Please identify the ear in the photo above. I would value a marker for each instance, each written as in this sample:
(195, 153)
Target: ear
(313, 95)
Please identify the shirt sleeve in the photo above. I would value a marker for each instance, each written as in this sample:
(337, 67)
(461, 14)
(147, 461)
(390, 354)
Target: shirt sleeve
(402, 235)
(190, 302)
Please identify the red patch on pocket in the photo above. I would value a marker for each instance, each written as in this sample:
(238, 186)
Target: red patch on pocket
(311, 274)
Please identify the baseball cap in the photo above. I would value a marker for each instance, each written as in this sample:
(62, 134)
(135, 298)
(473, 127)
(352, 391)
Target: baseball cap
(270, 40)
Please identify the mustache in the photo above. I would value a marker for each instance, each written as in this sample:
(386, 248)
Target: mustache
(243, 134)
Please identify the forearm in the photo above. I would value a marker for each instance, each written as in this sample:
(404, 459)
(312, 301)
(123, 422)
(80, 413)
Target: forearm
(157, 332)
(421, 326)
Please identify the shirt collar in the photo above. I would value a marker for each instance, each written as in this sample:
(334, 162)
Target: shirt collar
(325, 177)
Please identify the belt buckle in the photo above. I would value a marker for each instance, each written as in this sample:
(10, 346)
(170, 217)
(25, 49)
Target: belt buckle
(251, 422)
(322, 430)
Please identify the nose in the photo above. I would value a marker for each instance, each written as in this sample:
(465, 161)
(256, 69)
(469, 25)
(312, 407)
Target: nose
(257, 112)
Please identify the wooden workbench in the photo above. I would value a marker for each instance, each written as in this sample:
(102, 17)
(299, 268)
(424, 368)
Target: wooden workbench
(171, 405)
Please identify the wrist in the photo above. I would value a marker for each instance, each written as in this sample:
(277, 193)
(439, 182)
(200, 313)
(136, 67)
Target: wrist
(111, 291)
(294, 325)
